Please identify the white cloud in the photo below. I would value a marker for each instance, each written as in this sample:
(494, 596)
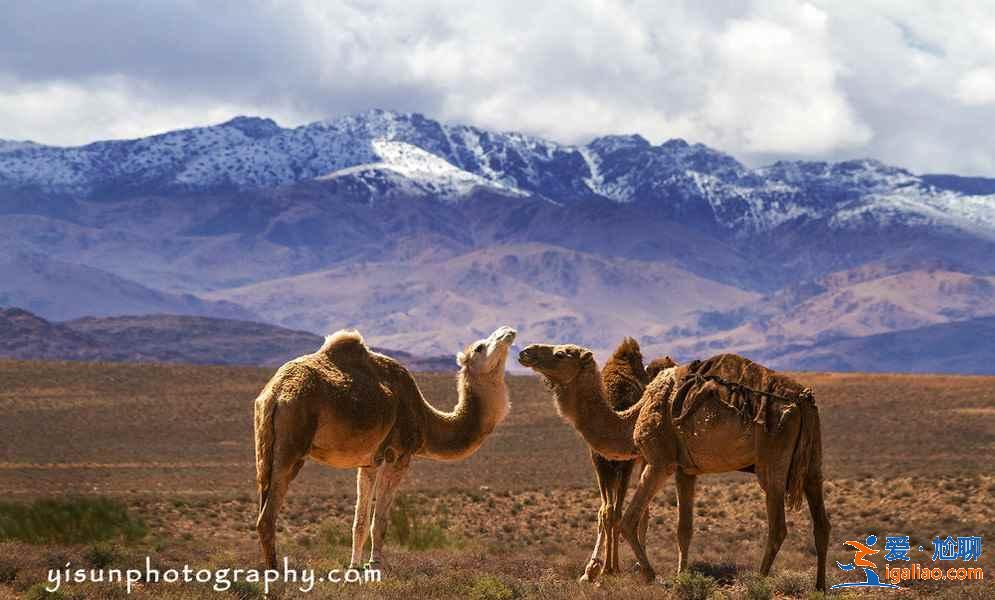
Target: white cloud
(977, 86)
(907, 82)
(73, 114)
(776, 87)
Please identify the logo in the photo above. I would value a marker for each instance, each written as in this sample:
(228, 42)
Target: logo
(861, 552)
(897, 548)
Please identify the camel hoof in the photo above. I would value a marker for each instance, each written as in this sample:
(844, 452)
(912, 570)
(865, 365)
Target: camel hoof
(591, 572)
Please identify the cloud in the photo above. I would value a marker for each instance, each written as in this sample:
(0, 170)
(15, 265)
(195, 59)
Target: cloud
(977, 86)
(910, 83)
(776, 87)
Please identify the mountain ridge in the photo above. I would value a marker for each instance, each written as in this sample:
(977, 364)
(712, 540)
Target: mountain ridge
(410, 228)
(170, 339)
(254, 152)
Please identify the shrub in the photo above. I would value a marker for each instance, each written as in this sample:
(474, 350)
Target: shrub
(38, 592)
(412, 531)
(8, 573)
(792, 583)
(68, 521)
(331, 535)
(489, 587)
(691, 585)
(244, 590)
(100, 556)
(758, 588)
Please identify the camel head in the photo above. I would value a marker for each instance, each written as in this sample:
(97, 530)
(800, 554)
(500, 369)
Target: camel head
(487, 356)
(659, 364)
(558, 364)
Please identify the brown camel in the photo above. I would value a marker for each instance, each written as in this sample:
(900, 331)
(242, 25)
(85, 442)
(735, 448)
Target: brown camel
(624, 380)
(725, 414)
(348, 407)
(657, 365)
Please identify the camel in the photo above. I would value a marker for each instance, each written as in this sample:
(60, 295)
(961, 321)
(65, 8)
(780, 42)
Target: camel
(624, 380)
(657, 365)
(696, 419)
(346, 406)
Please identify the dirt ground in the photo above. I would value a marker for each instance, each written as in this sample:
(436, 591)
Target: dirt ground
(904, 455)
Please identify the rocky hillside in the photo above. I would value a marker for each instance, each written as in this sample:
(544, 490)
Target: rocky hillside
(167, 338)
(66, 290)
(955, 347)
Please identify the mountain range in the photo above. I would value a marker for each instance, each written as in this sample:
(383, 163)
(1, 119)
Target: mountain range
(427, 235)
(168, 339)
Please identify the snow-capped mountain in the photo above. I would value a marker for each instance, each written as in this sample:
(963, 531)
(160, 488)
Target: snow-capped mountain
(423, 234)
(383, 150)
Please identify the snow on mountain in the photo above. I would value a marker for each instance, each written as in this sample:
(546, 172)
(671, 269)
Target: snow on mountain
(917, 206)
(389, 150)
(426, 171)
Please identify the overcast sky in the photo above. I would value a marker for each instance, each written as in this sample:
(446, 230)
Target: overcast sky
(909, 82)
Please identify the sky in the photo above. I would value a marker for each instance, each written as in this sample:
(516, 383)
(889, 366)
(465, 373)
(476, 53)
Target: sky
(909, 82)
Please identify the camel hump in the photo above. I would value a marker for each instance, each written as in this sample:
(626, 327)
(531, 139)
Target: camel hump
(628, 348)
(345, 342)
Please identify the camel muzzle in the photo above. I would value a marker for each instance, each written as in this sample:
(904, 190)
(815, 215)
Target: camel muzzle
(507, 336)
(527, 357)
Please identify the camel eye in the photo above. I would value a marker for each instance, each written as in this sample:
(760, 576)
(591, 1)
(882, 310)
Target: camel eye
(479, 348)
(560, 354)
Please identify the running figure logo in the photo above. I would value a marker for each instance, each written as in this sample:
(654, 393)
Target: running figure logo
(862, 551)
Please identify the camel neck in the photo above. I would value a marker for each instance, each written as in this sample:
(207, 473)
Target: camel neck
(584, 403)
(454, 435)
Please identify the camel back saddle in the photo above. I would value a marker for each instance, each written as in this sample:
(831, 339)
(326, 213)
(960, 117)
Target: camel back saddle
(756, 393)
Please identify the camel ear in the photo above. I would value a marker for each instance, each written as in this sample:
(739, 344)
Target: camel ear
(461, 359)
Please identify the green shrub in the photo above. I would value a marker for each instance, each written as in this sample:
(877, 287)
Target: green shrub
(100, 555)
(792, 583)
(331, 535)
(413, 531)
(758, 587)
(489, 587)
(38, 592)
(68, 521)
(244, 590)
(691, 585)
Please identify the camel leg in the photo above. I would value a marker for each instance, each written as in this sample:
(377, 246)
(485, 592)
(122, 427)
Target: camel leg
(286, 465)
(820, 524)
(623, 472)
(391, 475)
(776, 528)
(603, 474)
(685, 519)
(644, 523)
(611, 545)
(649, 483)
(366, 479)
(595, 565)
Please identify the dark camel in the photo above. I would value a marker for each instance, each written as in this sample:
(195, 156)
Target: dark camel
(694, 420)
(624, 379)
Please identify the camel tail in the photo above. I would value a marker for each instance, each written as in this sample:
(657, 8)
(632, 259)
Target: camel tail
(265, 436)
(807, 455)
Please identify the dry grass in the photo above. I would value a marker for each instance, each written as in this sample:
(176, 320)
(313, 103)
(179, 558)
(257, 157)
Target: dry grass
(908, 455)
